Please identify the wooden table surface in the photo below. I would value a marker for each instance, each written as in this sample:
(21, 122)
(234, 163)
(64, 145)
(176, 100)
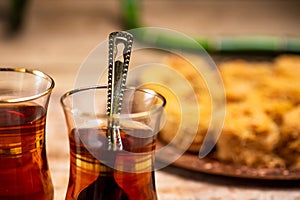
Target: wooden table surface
(58, 36)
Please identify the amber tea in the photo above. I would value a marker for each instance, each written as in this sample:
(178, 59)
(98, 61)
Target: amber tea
(24, 172)
(98, 173)
(98, 170)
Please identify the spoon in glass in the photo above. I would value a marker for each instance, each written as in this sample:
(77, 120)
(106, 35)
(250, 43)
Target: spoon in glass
(117, 74)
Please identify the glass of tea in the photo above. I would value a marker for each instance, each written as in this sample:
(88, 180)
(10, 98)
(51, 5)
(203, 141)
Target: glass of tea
(99, 169)
(24, 97)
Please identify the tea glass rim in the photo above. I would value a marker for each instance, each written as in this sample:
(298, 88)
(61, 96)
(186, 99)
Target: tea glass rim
(120, 116)
(30, 97)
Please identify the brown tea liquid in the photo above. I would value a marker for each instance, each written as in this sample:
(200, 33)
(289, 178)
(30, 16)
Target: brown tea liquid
(120, 174)
(24, 172)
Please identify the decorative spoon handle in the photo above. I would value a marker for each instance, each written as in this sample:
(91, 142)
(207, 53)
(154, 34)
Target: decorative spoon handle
(117, 74)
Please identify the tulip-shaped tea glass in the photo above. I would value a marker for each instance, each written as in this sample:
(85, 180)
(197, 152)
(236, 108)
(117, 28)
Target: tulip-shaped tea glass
(98, 168)
(24, 97)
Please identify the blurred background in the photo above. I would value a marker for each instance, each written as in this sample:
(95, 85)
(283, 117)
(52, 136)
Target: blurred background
(56, 36)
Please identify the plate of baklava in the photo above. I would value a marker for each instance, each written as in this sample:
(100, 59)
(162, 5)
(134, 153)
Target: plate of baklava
(260, 136)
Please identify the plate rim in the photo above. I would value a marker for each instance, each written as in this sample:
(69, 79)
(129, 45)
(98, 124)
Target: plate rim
(208, 165)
